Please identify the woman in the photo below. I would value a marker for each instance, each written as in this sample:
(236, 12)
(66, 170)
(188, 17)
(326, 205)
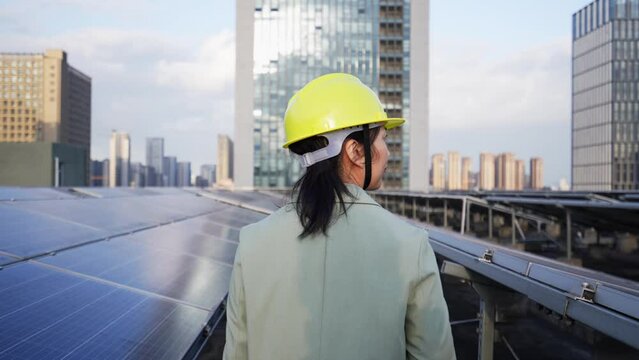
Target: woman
(333, 275)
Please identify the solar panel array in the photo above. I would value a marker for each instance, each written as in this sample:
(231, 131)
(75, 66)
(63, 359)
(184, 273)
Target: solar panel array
(113, 273)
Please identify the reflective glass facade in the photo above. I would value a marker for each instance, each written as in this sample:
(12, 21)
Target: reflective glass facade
(295, 42)
(605, 111)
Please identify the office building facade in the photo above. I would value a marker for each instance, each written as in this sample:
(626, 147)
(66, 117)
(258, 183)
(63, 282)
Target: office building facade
(170, 168)
(119, 159)
(605, 96)
(283, 44)
(154, 161)
(224, 170)
(44, 99)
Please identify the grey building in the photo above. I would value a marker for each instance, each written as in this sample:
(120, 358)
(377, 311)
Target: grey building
(283, 44)
(605, 96)
(138, 175)
(183, 174)
(169, 167)
(154, 161)
(207, 174)
(99, 173)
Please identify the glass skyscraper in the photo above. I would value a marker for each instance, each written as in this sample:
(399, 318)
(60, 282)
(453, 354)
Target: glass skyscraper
(283, 44)
(605, 96)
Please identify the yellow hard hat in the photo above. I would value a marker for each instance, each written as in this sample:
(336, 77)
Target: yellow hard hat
(333, 102)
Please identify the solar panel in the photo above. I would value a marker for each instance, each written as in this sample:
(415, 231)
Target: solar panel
(192, 243)
(49, 314)
(135, 276)
(120, 215)
(207, 226)
(19, 194)
(26, 233)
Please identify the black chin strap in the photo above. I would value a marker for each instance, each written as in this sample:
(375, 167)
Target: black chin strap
(367, 157)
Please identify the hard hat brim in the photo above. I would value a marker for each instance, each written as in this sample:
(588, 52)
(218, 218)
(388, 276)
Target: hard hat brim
(388, 124)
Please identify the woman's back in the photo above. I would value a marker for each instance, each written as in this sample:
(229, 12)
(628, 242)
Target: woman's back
(368, 290)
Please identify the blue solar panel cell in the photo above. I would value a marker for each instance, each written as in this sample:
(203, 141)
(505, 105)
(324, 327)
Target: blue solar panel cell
(119, 215)
(138, 264)
(19, 194)
(174, 239)
(53, 315)
(204, 226)
(26, 233)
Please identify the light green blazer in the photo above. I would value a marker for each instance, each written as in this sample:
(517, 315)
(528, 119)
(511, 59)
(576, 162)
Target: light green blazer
(368, 290)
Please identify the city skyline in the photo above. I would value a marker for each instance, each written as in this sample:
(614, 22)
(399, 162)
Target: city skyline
(164, 87)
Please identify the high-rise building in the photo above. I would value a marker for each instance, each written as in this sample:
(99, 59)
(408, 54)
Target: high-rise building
(184, 174)
(605, 101)
(520, 174)
(466, 165)
(224, 170)
(453, 171)
(119, 159)
(207, 173)
(536, 173)
(438, 172)
(44, 99)
(98, 173)
(487, 174)
(283, 44)
(105, 171)
(154, 161)
(505, 176)
(138, 175)
(170, 171)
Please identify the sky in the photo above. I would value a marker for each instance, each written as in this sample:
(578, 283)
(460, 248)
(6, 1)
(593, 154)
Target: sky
(499, 72)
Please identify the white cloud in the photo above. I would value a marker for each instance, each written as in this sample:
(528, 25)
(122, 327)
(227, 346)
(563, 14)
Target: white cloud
(211, 69)
(470, 88)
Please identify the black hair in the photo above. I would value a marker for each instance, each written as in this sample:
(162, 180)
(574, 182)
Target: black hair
(317, 191)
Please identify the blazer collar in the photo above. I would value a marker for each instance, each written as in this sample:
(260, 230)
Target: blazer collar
(359, 196)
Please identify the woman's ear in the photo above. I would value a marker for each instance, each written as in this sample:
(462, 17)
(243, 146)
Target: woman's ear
(354, 152)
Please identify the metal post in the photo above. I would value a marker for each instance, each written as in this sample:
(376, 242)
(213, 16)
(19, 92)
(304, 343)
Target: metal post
(486, 324)
(463, 217)
(414, 208)
(56, 175)
(445, 213)
(568, 235)
(403, 204)
(512, 223)
(468, 216)
(490, 223)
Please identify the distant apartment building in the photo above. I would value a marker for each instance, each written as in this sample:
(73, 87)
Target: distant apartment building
(520, 175)
(453, 171)
(487, 173)
(438, 172)
(536, 173)
(466, 174)
(505, 172)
